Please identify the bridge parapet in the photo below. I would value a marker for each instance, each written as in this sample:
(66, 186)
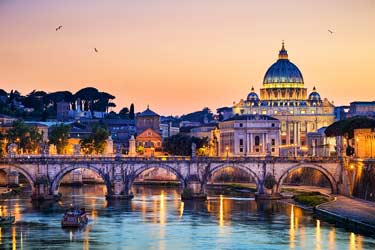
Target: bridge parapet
(166, 159)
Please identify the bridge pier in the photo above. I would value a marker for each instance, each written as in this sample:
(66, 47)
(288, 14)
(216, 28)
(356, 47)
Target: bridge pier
(121, 190)
(194, 190)
(12, 179)
(42, 191)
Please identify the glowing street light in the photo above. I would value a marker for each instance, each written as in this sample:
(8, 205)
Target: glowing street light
(227, 150)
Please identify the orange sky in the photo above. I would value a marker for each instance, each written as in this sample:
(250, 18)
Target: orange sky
(181, 56)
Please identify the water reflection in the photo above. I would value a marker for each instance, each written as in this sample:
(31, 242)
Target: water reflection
(158, 215)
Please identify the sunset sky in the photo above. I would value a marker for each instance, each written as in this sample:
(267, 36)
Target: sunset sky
(180, 56)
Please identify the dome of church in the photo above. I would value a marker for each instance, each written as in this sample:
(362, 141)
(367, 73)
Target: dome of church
(252, 96)
(314, 96)
(283, 71)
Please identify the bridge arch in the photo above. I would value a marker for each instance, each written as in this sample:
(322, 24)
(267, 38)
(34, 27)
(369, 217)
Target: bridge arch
(167, 167)
(20, 169)
(331, 179)
(64, 171)
(242, 167)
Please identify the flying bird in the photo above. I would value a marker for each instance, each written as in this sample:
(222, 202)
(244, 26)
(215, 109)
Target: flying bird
(96, 50)
(330, 31)
(59, 28)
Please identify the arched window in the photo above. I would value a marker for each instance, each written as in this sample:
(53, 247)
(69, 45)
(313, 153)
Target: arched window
(257, 141)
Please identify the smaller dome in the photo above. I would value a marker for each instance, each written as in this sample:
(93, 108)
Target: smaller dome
(314, 96)
(252, 96)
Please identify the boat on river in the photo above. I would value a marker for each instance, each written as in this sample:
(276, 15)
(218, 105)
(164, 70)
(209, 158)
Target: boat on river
(74, 218)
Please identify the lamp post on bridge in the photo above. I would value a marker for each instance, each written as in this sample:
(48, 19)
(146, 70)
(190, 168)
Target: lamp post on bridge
(227, 150)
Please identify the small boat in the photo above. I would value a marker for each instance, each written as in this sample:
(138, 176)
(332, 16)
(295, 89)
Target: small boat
(74, 218)
(7, 220)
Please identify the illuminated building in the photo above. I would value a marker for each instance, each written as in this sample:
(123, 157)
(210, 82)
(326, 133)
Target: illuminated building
(284, 96)
(249, 135)
(364, 142)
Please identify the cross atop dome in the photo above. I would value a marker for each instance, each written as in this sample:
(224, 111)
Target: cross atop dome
(283, 54)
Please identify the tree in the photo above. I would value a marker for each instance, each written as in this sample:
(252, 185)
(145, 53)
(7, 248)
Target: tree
(131, 112)
(26, 138)
(124, 113)
(180, 144)
(3, 145)
(59, 137)
(96, 141)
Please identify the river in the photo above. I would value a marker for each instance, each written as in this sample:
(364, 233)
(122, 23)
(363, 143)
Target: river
(157, 219)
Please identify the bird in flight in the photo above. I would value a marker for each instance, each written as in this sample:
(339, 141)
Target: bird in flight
(330, 31)
(59, 28)
(96, 50)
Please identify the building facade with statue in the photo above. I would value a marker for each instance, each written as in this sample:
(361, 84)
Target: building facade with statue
(285, 97)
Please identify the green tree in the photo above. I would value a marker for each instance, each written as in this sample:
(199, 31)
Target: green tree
(27, 138)
(180, 144)
(96, 141)
(58, 136)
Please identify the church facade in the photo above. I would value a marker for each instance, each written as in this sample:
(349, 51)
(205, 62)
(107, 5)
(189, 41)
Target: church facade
(284, 96)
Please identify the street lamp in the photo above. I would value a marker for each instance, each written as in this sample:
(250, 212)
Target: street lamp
(227, 150)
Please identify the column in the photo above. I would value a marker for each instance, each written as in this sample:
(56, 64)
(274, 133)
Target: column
(250, 144)
(263, 143)
(295, 140)
(247, 144)
(287, 133)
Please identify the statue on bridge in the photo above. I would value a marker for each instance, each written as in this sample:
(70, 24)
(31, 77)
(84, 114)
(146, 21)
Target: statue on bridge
(193, 150)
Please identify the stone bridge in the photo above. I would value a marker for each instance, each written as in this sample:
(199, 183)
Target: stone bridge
(118, 173)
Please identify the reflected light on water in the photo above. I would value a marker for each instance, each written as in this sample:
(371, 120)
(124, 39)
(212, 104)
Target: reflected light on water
(86, 245)
(21, 241)
(291, 229)
(162, 220)
(221, 211)
(318, 236)
(14, 239)
(355, 242)
(1, 235)
(94, 213)
(332, 239)
(162, 208)
(17, 212)
(181, 208)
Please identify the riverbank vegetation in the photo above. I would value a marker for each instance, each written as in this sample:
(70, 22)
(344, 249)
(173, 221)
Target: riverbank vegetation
(311, 199)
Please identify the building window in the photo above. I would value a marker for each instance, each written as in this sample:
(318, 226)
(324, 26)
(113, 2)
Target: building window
(264, 112)
(241, 142)
(273, 125)
(283, 141)
(291, 112)
(303, 111)
(257, 140)
(273, 142)
(273, 149)
(241, 125)
(275, 112)
(312, 111)
(241, 150)
(283, 126)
